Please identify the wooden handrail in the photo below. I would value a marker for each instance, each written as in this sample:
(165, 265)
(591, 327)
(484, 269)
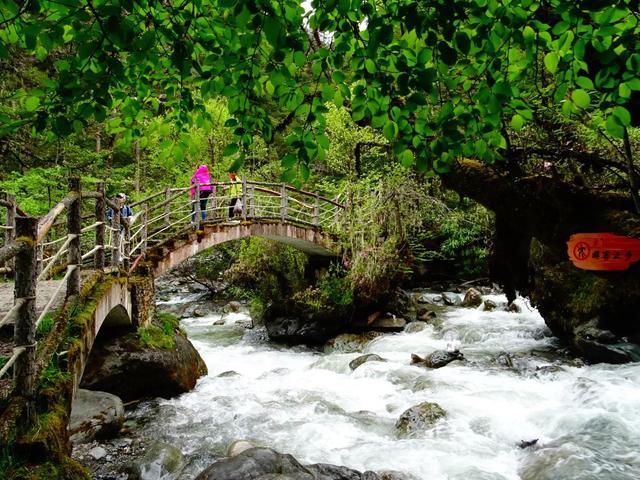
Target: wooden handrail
(46, 222)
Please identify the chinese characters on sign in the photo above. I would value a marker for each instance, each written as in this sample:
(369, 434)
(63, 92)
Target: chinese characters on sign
(603, 251)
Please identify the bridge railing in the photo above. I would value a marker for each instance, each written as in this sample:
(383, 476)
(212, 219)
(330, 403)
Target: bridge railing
(55, 246)
(159, 215)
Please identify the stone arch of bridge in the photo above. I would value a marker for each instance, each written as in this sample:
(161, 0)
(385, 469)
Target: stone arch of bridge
(113, 309)
(177, 250)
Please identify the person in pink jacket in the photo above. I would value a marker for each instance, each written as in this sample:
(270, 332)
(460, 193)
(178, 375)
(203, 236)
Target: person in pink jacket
(201, 176)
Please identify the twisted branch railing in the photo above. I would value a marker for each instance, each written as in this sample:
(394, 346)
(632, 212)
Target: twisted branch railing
(35, 249)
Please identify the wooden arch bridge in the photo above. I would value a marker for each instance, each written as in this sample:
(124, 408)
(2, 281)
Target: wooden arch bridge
(112, 264)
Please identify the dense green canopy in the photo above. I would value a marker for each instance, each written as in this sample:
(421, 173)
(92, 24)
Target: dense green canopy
(440, 78)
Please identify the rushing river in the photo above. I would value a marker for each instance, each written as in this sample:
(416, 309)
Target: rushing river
(312, 405)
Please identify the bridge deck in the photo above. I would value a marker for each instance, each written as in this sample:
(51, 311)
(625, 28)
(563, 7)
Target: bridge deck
(46, 290)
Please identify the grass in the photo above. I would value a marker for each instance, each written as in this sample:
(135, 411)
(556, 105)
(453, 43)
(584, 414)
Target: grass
(160, 334)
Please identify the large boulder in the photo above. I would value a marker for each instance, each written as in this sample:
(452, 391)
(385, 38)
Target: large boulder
(595, 313)
(256, 463)
(161, 461)
(268, 464)
(130, 370)
(95, 415)
(296, 323)
(419, 418)
(324, 471)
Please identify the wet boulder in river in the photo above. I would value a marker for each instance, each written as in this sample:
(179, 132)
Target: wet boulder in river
(419, 418)
(324, 471)
(256, 463)
(369, 357)
(472, 298)
(437, 359)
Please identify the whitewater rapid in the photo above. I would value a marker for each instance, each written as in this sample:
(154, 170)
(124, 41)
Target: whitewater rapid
(515, 385)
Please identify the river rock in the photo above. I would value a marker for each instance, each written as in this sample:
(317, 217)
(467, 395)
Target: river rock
(199, 312)
(388, 323)
(489, 305)
(415, 327)
(369, 357)
(472, 298)
(95, 415)
(513, 308)
(244, 323)
(256, 463)
(324, 471)
(161, 461)
(451, 299)
(393, 475)
(437, 359)
(97, 453)
(232, 307)
(124, 367)
(239, 446)
(419, 418)
(350, 342)
(292, 323)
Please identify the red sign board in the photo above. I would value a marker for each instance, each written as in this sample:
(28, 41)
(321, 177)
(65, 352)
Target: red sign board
(603, 251)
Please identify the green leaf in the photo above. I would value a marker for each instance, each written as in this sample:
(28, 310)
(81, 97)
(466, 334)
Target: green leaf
(406, 158)
(338, 76)
(304, 171)
(272, 30)
(289, 175)
(288, 161)
(614, 128)
(370, 65)
(551, 61)
(230, 150)
(299, 58)
(581, 98)
(633, 84)
(425, 56)
(390, 130)
(584, 82)
(623, 115)
(517, 122)
(31, 104)
(624, 91)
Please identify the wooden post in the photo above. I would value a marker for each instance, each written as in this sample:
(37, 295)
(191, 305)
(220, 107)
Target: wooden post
(252, 202)
(283, 202)
(126, 246)
(214, 202)
(24, 334)
(98, 257)
(316, 211)
(117, 236)
(39, 258)
(244, 197)
(145, 231)
(74, 227)
(196, 206)
(167, 207)
(10, 233)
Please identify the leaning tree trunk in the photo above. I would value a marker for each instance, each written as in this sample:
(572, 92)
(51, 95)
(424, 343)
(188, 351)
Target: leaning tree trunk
(596, 313)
